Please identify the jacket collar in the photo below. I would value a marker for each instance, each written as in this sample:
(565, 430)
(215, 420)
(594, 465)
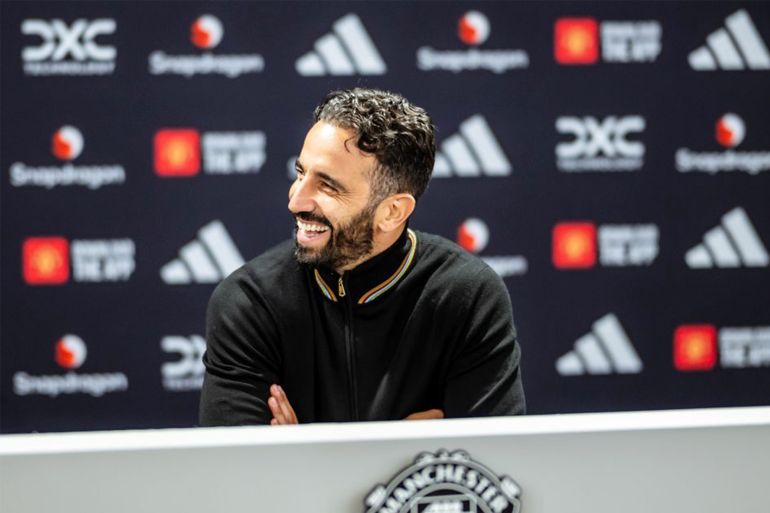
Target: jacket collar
(372, 278)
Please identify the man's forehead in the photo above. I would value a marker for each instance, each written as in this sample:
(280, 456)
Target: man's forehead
(333, 149)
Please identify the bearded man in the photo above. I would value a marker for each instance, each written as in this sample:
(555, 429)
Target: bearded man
(360, 317)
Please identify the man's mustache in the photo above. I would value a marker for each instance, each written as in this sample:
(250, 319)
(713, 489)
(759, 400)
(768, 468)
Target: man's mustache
(310, 217)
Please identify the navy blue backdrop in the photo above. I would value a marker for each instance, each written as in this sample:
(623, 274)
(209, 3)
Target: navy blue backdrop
(609, 160)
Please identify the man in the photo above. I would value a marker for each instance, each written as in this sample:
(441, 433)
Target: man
(360, 317)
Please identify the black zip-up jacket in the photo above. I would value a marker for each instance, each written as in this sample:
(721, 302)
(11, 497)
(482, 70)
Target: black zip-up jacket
(422, 325)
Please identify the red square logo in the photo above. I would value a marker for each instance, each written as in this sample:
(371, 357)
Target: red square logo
(574, 245)
(177, 152)
(576, 41)
(695, 347)
(45, 261)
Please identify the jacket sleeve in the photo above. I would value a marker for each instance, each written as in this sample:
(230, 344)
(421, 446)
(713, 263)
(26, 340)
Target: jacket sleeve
(484, 378)
(242, 358)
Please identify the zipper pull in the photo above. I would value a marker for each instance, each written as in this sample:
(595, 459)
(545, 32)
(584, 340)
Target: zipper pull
(340, 287)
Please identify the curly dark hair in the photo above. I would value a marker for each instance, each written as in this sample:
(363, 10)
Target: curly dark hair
(397, 132)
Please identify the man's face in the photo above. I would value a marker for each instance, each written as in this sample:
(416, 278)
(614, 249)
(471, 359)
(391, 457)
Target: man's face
(330, 199)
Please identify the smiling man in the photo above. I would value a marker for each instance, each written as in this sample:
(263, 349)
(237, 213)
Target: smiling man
(360, 317)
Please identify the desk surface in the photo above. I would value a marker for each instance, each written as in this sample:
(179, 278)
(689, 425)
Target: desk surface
(679, 460)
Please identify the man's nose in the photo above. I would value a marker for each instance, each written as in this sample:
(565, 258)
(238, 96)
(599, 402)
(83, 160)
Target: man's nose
(301, 197)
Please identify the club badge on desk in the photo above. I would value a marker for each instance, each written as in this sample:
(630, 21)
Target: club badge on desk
(445, 482)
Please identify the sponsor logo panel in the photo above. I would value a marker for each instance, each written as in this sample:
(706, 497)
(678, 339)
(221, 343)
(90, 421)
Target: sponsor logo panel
(734, 243)
(605, 350)
(729, 132)
(47, 260)
(473, 236)
(67, 143)
(347, 50)
(206, 32)
(581, 244)
(177, 152)
(576, 41)
(703, 347)
(207, 259)
(78, 48)
(182, 152)
(600, 145)
(473, 29)
(737, 45)
(70, 354)
(185, 373)
(695, 347)
(473, 152)
(586, 41)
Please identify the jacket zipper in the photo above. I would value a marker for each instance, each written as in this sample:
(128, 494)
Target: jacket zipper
(350, 351)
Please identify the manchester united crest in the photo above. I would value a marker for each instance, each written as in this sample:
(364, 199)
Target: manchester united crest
(445, 482)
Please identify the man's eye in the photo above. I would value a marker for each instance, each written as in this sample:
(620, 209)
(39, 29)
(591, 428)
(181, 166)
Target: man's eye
(328, 187)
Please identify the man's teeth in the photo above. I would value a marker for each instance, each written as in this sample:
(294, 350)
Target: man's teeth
(312, 227)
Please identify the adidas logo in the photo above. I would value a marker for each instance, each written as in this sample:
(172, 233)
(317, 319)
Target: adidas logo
(208, 259)
(473, 152)
(736, 46)
(606, 350)
(347, 51)
(734, 243)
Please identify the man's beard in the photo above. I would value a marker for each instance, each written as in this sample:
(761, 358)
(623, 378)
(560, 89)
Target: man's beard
(347, 243)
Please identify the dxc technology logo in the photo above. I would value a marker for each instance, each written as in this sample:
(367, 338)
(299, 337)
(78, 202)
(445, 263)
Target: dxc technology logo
(68, 49)
(186, 373)
(600, 145)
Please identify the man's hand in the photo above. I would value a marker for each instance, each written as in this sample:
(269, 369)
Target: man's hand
(283, 413)
(279, 405)
(426, 415)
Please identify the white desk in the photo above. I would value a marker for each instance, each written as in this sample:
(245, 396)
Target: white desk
(673, 461)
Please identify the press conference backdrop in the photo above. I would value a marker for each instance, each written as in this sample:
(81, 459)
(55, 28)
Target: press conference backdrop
(609, 160)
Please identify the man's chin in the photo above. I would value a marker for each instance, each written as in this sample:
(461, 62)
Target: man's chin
(308, 254)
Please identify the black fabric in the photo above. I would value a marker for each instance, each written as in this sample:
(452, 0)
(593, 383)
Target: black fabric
(442, 337)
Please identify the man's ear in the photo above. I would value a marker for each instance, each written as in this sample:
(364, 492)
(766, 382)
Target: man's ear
(393, 211)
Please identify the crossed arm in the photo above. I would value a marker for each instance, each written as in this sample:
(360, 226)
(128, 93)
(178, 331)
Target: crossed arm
(283, 413)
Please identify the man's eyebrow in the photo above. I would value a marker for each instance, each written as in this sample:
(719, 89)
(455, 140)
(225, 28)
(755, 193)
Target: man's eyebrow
(331, 181)
(324, 176)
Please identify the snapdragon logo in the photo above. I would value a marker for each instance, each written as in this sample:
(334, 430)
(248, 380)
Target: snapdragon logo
(75, 49)
(729, 132)
(206, 32)
(473, 29)
(70, 354)
(600, 145)
(67, 144)
(473, 236)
